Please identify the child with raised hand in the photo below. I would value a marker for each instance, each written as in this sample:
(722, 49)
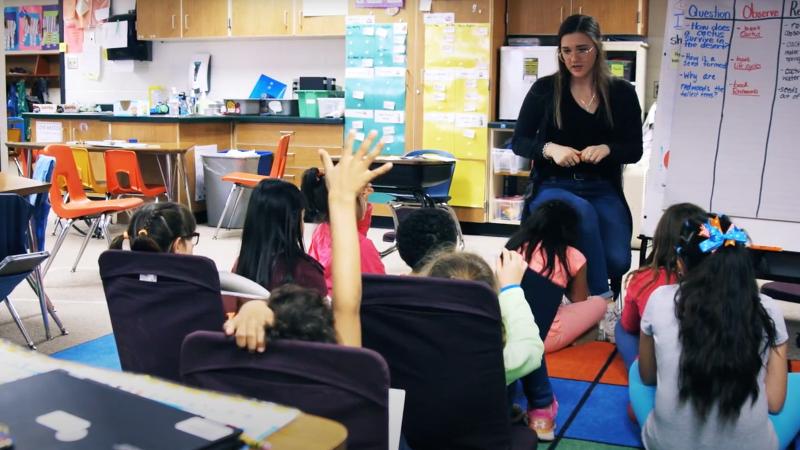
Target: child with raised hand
(315, 190)
(345, 181)
(165, 227)
(712, 369)
(523, 347)
(661, 269)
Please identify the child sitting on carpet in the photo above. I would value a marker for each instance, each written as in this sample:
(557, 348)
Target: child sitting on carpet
(315, 190)
(424, 232)
(345, 181)
(661, 269)
(717, 350)
(165, 227)
(523, 348)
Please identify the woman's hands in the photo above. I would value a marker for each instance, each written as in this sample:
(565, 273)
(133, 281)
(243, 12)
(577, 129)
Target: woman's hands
(510, 268)
(569, 157)
(593, 154)
(249, 325)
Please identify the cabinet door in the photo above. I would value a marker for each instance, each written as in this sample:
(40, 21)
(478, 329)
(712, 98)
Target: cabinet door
(205, 18)
(158, 19)
(537, 16)
(616, 16)
(317, 25)
(261, 17)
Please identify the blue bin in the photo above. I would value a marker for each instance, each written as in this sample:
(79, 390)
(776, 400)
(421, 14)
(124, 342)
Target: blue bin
(264, 162)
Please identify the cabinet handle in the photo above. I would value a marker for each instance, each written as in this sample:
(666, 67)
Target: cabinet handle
(580, 9)
(186, 21)
(285, 19)
(285, 132)
(300, 18)
(173, 21)
(561, 14)
(291, 177)
(292, 154)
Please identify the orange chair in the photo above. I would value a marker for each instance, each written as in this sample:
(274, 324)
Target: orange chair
(243, 180)
(124, 176)
(77, 205)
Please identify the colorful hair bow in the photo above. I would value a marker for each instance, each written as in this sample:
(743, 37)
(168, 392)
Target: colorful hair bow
(717, 239)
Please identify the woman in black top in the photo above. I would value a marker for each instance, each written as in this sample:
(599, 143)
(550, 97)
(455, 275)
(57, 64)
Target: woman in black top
(580, 126)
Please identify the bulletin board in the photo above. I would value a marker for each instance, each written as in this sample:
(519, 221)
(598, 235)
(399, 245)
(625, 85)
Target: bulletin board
(727, 116)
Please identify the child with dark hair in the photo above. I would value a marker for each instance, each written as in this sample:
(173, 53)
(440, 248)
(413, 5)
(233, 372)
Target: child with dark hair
(272, 251)
(295, 309)
(316, 193)
(160, 227)
(301, 314)
(547, 241)
(661, 269)
(523, 348)
(422, 232)
(716, 349)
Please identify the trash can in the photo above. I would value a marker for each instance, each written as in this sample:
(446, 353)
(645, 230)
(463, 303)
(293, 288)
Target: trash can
(216, 166)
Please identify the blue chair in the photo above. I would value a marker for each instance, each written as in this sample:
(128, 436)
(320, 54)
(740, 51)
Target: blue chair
(16, 213)
(439, 194)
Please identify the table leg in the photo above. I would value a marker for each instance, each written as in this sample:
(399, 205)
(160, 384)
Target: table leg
(182, 163)
(45, 305)
(29, 165)
(169, 180)
(161, 170)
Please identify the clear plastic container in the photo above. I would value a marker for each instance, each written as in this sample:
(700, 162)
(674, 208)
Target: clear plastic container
(509, 208)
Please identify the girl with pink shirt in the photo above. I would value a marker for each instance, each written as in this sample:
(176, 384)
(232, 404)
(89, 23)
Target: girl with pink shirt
(316, 194)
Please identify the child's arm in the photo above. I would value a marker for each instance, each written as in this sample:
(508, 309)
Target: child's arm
(249, 325)
(578, 288)
(523, 349)
(776, 378)
(648, 368)
(345, 180)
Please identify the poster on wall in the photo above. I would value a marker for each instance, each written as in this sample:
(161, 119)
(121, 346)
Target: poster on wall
(375, 83)
(50, 27)
(10, 29)
(29, 27)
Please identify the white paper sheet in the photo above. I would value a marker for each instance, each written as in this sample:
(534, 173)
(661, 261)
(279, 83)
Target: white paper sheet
(199, 179)
(397, 402)
(90, 59)
(114, 34)
(49, 132)
(312, 8)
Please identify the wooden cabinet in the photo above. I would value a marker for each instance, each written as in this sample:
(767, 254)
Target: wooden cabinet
(261, 17)
(158, 19)
(543, 17)
(205, 18)
(316, 26)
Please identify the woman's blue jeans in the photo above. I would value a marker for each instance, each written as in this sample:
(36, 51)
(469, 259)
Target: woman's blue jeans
(604, 229)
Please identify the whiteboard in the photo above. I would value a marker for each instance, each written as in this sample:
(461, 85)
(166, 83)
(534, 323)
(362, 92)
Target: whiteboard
(728, 116)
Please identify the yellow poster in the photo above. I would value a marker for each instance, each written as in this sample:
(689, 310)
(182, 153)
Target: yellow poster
(456, 103)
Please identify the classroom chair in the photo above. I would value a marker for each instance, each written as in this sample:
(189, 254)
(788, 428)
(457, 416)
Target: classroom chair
(124, 176)
(76, 205)
(155, 300)
(438, 194)
(443, 342)
(346, 384)
(789, 292)
(85, 172)
(242, 180)
(16, 213)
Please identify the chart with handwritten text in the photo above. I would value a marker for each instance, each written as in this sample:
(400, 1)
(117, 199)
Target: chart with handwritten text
(735, 122)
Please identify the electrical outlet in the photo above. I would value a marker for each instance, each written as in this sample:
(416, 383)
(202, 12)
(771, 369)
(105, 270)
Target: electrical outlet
(655, 89)
(72, 62)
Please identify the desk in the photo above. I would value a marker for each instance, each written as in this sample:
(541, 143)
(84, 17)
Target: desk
(296, 430)
(10, 184)
(173, 154)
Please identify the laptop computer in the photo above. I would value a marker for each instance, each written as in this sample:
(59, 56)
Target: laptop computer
(54, 410)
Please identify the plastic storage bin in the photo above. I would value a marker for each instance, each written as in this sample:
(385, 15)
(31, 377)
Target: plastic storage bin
(220, 164)
(307, 101)
(509, 208)
(504, 160)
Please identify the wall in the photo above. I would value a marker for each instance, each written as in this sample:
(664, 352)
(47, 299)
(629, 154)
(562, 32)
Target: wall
(235, 66)
(655, 38)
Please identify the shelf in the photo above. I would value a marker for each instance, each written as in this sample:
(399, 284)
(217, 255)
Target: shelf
(31, 52)
(29, 75)
(505, 222)
(520, 173)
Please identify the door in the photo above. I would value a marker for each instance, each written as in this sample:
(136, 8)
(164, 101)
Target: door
(261, 17)
(158, 19)
(615, 16)
(318, 25)
(541, 17)
(205, 18)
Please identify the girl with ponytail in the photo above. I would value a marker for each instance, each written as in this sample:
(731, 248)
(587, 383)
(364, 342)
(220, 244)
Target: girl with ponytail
(712, 369)
(160, 227)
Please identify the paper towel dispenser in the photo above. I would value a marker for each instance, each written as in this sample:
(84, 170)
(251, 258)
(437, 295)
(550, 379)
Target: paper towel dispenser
(136, 49)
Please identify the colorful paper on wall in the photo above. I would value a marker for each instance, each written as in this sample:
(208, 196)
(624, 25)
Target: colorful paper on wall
(73, 36)
(375, 83)
(29, 27)
(456, 103)
(10, 28)
(50, 27)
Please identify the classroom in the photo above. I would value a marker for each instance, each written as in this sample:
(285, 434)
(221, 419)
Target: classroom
(326, 224)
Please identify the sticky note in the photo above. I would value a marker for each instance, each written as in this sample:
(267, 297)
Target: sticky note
(400, 28)
(399, 49)
(399, 40)
(448, 48)
(471, 84)
(360, 136)
(62, 47)
(388, 139)
(367, 62)
(382, 33)
(470, 107)
(439, 87)
(368, 31)
(617, 69)
(388, 104)
(388, 130)
(358, 124)
(358, 95)
(439, 96)
(469, 133)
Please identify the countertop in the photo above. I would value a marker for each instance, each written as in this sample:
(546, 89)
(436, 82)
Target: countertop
(186, 119)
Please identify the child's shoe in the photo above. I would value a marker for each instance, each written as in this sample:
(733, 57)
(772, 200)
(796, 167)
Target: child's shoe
(543, 421)
(608, 323)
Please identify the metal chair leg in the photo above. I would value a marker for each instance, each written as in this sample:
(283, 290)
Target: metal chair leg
(104, 228)
(235, 205)
(19, 167)
(57, 246)
(224, 210)
(21, 327)
(89, 235)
